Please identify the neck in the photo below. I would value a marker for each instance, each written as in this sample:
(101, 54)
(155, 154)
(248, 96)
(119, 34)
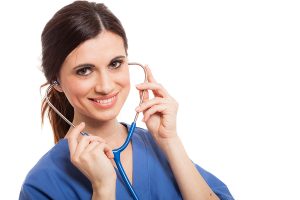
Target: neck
(111, 131)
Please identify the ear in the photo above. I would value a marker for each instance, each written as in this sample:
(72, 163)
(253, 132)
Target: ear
(57, 86)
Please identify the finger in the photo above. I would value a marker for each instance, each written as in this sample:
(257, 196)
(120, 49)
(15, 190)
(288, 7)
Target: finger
(154, 109)
(72, 137)
(149, 74)
(91, 146)
(108, 152)
(146, 105)
(91, 138)
(85, 141)
(97, 138)
(82, 145)
(102, 147)
(157, 89)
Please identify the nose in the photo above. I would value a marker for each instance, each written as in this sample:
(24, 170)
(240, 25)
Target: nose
(105, 83)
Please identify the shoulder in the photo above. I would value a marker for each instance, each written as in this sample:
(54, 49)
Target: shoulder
(144, 135)
(51, 176)
(149, 148)
(40, 177)
(49, 162)
(141, 135)
(146, 146)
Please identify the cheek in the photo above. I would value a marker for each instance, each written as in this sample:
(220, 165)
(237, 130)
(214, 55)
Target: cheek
(76, 89)
(125, 80)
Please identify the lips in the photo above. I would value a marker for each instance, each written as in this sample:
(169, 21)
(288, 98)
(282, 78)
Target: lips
(105, 102)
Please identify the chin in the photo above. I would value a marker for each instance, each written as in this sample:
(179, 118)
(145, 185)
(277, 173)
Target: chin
(106, 115)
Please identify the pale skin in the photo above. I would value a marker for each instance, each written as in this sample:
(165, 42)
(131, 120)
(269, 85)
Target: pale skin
(104, 77)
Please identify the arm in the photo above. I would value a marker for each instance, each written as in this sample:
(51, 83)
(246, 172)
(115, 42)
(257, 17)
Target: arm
(160, 117)
(189, 180)
(104, 192)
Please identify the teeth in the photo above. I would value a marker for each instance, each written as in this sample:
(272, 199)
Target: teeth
(105, 101)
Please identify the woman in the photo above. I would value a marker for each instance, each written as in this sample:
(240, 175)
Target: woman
(85, 54)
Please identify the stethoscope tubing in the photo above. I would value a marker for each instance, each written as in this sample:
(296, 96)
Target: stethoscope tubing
(117, 159)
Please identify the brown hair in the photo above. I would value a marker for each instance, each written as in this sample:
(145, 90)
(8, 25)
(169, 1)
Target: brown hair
(69, 27)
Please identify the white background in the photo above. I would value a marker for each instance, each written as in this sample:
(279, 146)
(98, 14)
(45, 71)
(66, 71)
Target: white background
(233, 66)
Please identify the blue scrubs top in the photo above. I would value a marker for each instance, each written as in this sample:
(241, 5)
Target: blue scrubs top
(55, 177)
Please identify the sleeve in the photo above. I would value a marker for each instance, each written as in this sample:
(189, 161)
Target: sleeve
(41, 185)
(29, 192)
(217, 186)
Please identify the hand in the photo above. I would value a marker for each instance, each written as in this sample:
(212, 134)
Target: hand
(92, 156)
(159, 112)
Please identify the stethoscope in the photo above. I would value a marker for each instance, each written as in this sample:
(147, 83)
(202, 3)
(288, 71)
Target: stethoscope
(116, 152)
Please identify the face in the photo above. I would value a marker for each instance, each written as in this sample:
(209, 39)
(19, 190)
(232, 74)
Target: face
(95, 78)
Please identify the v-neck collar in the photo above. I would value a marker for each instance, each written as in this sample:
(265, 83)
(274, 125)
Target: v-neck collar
(140, 166)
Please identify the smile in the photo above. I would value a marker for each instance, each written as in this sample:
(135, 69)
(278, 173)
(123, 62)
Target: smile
(105, 102)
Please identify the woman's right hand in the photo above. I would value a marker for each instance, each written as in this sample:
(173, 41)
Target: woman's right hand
(93, 157)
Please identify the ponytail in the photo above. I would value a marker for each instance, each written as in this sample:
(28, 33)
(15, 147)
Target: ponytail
(61, 103)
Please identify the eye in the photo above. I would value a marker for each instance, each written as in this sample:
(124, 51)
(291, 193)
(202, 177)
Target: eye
(116, 64)
(84, 71)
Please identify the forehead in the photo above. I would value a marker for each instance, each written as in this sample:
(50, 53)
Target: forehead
(100, 49)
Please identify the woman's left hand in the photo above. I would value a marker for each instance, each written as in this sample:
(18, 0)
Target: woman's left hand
(159, 112)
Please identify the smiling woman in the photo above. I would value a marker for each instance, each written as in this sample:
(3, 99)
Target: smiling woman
(95, 78)
(85, 55)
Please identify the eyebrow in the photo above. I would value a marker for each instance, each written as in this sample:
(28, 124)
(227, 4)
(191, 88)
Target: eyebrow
(92, 65)
(117, 58)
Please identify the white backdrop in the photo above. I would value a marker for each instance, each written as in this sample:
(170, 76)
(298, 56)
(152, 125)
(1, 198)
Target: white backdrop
(233, 66)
